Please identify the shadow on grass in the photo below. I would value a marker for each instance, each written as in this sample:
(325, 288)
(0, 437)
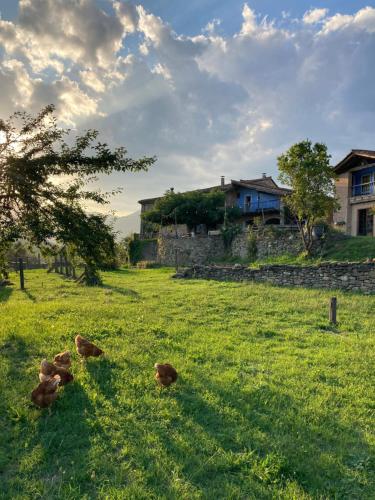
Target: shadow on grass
(101, 371)
(320, 453)
(41, 446)
(29, 295)
(122, 291)
(5, 293)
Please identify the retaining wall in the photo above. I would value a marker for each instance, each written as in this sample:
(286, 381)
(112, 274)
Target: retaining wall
(209, 248)
(355, 277)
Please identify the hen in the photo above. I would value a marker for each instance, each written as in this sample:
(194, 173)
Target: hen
(62, 360)
(48, 371)
(165, 374)
(45, 394)
(86, 348)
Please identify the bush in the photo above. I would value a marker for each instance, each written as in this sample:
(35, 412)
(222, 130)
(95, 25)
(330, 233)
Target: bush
(252, 249)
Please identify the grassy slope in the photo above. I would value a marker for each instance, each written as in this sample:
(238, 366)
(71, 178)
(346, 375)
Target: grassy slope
(347, 249)
(352, 249)
(271, 403)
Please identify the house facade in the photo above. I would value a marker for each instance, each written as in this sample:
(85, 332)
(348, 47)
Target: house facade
(255, 198)
(355, 188)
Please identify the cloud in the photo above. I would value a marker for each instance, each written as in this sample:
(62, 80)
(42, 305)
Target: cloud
(206, 105)
(313, 16)
(363, 20)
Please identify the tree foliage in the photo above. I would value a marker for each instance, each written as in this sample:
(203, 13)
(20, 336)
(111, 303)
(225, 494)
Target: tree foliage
(44, 175)
(305, 168)
(192, 209)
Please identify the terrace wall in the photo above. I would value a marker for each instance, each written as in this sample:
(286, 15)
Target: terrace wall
(354, 277)
(208, 249)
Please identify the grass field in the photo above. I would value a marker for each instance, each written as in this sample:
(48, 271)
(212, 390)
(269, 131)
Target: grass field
(271, 402)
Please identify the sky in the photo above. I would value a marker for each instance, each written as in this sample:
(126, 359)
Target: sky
(211, 87)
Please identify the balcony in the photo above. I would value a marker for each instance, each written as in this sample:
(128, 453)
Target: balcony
(259, 206)
(365, 189)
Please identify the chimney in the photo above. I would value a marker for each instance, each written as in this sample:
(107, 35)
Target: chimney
(222, 181)
(264, 175)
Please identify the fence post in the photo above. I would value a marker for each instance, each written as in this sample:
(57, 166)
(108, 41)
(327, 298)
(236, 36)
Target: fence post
(332, 311)
(66, 265)
(22, 276)
(176, 259)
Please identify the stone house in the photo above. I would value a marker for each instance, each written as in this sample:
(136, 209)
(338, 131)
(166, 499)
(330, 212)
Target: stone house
(255, 197)
(356, 193)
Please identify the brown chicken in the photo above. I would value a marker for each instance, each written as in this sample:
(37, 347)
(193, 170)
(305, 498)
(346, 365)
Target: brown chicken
(165, 374)
(45, 394)
(48, 371)
(86, 348)
(62, 360)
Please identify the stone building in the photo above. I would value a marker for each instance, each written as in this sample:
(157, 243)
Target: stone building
(356, 193)
(254, 197)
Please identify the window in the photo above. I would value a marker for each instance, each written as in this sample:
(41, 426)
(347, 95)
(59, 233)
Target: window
(248, 199)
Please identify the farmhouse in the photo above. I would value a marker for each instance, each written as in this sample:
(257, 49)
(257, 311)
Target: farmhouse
(254, 197)
(356, 193)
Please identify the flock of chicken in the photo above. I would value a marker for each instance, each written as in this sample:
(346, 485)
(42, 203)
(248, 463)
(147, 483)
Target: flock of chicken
(57, 373)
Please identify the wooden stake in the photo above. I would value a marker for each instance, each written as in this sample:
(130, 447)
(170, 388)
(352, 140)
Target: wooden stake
(22, 276)
(332, 311)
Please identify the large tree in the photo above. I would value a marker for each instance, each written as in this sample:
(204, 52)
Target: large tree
(192, 208)
(305, 168)
(43, 184)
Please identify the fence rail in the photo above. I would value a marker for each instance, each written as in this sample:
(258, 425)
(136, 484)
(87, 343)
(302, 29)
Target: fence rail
(363, 189)
(260, 206)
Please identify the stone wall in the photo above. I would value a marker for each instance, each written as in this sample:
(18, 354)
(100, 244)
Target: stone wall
(203, 249)
(197, 250)
(355, 277)
(149, 250)
(271, 241)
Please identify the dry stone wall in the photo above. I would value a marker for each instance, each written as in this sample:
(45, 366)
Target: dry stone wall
(270, 242)
(197, 250)
(210, 248)
(354, 277)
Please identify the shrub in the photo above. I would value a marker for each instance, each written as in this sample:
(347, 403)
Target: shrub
(252, 249)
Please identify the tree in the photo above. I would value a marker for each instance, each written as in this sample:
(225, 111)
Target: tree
(191, 208)
(36, 156)
(306, 170)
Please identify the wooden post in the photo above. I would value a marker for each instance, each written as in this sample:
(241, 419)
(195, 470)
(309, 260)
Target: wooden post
(332, 311)
(22, 276)
(176, 260)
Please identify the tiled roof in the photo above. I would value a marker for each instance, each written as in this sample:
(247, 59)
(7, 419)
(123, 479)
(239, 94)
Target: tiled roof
(264, 184)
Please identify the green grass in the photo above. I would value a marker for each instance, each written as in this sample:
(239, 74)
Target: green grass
(271, 401)
(345, 249)
(351, 249)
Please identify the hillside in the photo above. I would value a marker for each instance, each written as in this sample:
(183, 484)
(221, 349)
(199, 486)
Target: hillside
(128, 224)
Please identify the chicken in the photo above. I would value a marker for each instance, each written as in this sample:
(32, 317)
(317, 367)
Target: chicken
(62, 360)
(45, 394)
(165, 374)
(48, 371)
(86, 348)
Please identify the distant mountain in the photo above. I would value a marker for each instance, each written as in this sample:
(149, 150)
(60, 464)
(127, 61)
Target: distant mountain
(128, 224)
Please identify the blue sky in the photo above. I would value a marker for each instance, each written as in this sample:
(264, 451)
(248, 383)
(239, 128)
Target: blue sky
(189, 17)
(211, 87)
